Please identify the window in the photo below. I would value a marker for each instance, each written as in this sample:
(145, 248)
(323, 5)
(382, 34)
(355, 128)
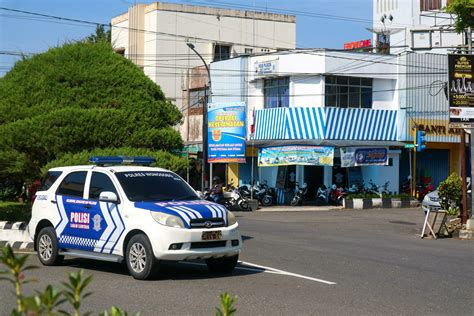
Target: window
(221, 52)
(277, 92)
(348, 92)
(155, 186)
(100, 183)
(427, 5)
(49, 180)
(73, 184)
(249, 51)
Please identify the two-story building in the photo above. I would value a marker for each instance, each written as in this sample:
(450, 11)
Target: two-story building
(338, 101)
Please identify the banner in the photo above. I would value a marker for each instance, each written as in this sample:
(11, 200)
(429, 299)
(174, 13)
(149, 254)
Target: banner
(226, 132)
(354, 157)
(295, 155)
(461, 90)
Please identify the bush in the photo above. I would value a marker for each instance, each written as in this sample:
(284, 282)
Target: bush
(450, 194)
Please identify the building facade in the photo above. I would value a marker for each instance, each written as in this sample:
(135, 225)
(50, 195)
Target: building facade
(334, 99)
(154, 37)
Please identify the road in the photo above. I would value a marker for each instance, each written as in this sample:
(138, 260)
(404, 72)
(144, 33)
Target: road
(368, 262)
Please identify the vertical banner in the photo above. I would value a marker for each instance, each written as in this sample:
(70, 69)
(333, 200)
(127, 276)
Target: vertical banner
(461, 90)
(226, 132)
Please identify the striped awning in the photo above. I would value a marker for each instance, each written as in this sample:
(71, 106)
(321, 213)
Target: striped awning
(316, 123)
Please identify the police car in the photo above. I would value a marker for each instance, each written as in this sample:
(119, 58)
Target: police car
(132, 213)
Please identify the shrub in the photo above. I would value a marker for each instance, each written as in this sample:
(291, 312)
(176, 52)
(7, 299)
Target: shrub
(450, 194)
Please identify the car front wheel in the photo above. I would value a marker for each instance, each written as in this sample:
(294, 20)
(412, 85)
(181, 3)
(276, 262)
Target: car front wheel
(222, 265)
(141, 261)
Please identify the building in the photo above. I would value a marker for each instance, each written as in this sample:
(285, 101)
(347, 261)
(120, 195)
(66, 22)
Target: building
(342, 101)
(401, 25)
(154, 37)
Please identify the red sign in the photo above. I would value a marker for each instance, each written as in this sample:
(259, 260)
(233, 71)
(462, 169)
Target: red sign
(358, 44)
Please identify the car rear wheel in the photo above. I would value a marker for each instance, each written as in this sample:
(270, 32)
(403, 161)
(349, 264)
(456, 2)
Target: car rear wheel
(47, 247)
(222, 265)
(141, 261)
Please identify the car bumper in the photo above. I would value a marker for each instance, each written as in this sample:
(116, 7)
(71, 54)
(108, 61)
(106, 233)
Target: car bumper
(192, 246)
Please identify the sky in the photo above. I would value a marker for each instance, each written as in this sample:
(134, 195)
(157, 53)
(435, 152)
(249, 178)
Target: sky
(27, 34)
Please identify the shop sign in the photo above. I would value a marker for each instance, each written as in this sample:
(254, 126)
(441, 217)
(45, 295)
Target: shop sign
(461, 90)
(359, 44)
(355, 156)
(296, 155)
(266, 67)
(436, 127)
(226, 132)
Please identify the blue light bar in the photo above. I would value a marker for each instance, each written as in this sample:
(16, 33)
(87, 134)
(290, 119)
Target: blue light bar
(117, 160)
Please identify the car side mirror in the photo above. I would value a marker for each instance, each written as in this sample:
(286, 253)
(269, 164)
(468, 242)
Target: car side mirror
(109, 197)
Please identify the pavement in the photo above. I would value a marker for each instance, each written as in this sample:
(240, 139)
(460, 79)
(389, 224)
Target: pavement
(337, 262)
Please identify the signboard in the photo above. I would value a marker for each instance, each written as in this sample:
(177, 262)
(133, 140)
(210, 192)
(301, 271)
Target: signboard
(295, 155)
(409, 145)
(359, 44)
(226, 132)
(266, 67)
(461, 90)
(355, 156)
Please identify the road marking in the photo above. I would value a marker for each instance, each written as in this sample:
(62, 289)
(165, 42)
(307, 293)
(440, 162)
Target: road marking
(296, 275)
(260, 268)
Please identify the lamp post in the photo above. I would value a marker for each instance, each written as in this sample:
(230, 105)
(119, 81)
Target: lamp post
(204, 119)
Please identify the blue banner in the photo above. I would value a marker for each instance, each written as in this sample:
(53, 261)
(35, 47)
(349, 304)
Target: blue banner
(226, 132)
(353, 156)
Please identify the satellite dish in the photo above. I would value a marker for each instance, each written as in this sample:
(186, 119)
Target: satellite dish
(382, 30)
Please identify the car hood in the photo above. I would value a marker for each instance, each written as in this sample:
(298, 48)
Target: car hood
(187, 210)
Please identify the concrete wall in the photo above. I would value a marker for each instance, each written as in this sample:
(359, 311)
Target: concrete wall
(380, 174)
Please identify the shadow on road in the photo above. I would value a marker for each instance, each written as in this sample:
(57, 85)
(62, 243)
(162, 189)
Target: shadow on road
(183, 270)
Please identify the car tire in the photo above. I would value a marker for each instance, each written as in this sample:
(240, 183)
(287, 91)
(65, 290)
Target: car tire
(222, 265)
(47, 247)
(139, 257)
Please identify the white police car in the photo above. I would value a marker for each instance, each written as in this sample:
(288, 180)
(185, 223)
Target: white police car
(134, 213)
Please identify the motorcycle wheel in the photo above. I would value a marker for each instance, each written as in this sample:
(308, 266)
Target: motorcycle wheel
(267, 200)
(244, 205)
(294, 202)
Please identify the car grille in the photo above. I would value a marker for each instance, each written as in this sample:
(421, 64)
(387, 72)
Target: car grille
(206, 223)
(208, 244)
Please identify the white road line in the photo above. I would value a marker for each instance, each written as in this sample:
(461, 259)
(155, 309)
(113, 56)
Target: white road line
(265, 269)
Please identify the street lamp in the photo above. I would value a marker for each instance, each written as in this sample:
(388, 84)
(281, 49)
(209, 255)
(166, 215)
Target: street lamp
(204, 119)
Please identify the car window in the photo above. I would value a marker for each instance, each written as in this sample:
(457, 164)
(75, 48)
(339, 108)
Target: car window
(155, 186)
(73, 184)
(49, 180)
(100, 182)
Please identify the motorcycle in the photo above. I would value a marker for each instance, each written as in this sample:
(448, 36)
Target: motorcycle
(233, 197)
(336, 195)
(322, 195)
(300, 193)
(262, 194)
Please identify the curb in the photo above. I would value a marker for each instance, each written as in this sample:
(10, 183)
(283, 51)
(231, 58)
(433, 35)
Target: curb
(17, 245)
(13, 225)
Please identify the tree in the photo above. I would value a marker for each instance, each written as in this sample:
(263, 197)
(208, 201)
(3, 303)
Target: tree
(464, 11)
(79, 97)
(100, 35)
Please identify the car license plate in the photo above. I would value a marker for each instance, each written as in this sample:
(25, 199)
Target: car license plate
(434, 208)
(213, 235)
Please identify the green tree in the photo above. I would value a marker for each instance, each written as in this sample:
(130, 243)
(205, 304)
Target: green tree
(79, 97)
(100, 35)
(464, 11)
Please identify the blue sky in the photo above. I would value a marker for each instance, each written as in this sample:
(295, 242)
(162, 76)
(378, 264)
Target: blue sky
(32, 35)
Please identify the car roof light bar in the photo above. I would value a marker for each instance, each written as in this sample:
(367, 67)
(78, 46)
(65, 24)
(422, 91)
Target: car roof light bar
(118, 160)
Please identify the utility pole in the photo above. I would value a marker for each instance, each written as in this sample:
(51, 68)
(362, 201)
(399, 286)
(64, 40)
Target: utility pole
(413, 187)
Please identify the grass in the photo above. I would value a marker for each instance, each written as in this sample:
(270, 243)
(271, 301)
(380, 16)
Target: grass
(15, 211)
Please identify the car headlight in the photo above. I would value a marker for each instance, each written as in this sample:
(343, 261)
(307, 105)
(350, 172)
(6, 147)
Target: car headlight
(231, 220)
(167, 219)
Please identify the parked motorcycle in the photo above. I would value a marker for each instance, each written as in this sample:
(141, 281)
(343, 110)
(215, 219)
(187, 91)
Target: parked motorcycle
(233, 197)
(322, 195)
(300, 193)
(262, 193)
(336, 195)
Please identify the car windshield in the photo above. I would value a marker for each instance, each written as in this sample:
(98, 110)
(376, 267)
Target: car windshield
(155, 186)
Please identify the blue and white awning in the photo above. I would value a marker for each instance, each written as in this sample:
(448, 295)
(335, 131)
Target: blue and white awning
(307, 123)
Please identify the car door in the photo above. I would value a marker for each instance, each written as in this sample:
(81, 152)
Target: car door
(74, 226)
(106, 221)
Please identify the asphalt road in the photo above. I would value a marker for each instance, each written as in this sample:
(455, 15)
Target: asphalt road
(367, 262)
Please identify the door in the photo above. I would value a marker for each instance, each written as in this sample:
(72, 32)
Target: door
(107, 225)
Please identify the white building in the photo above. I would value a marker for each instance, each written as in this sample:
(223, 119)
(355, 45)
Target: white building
(154, 37)
(316, 97)
(415, 25)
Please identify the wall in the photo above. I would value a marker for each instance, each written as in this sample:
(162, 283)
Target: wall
(307, 91)
(381, 174)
